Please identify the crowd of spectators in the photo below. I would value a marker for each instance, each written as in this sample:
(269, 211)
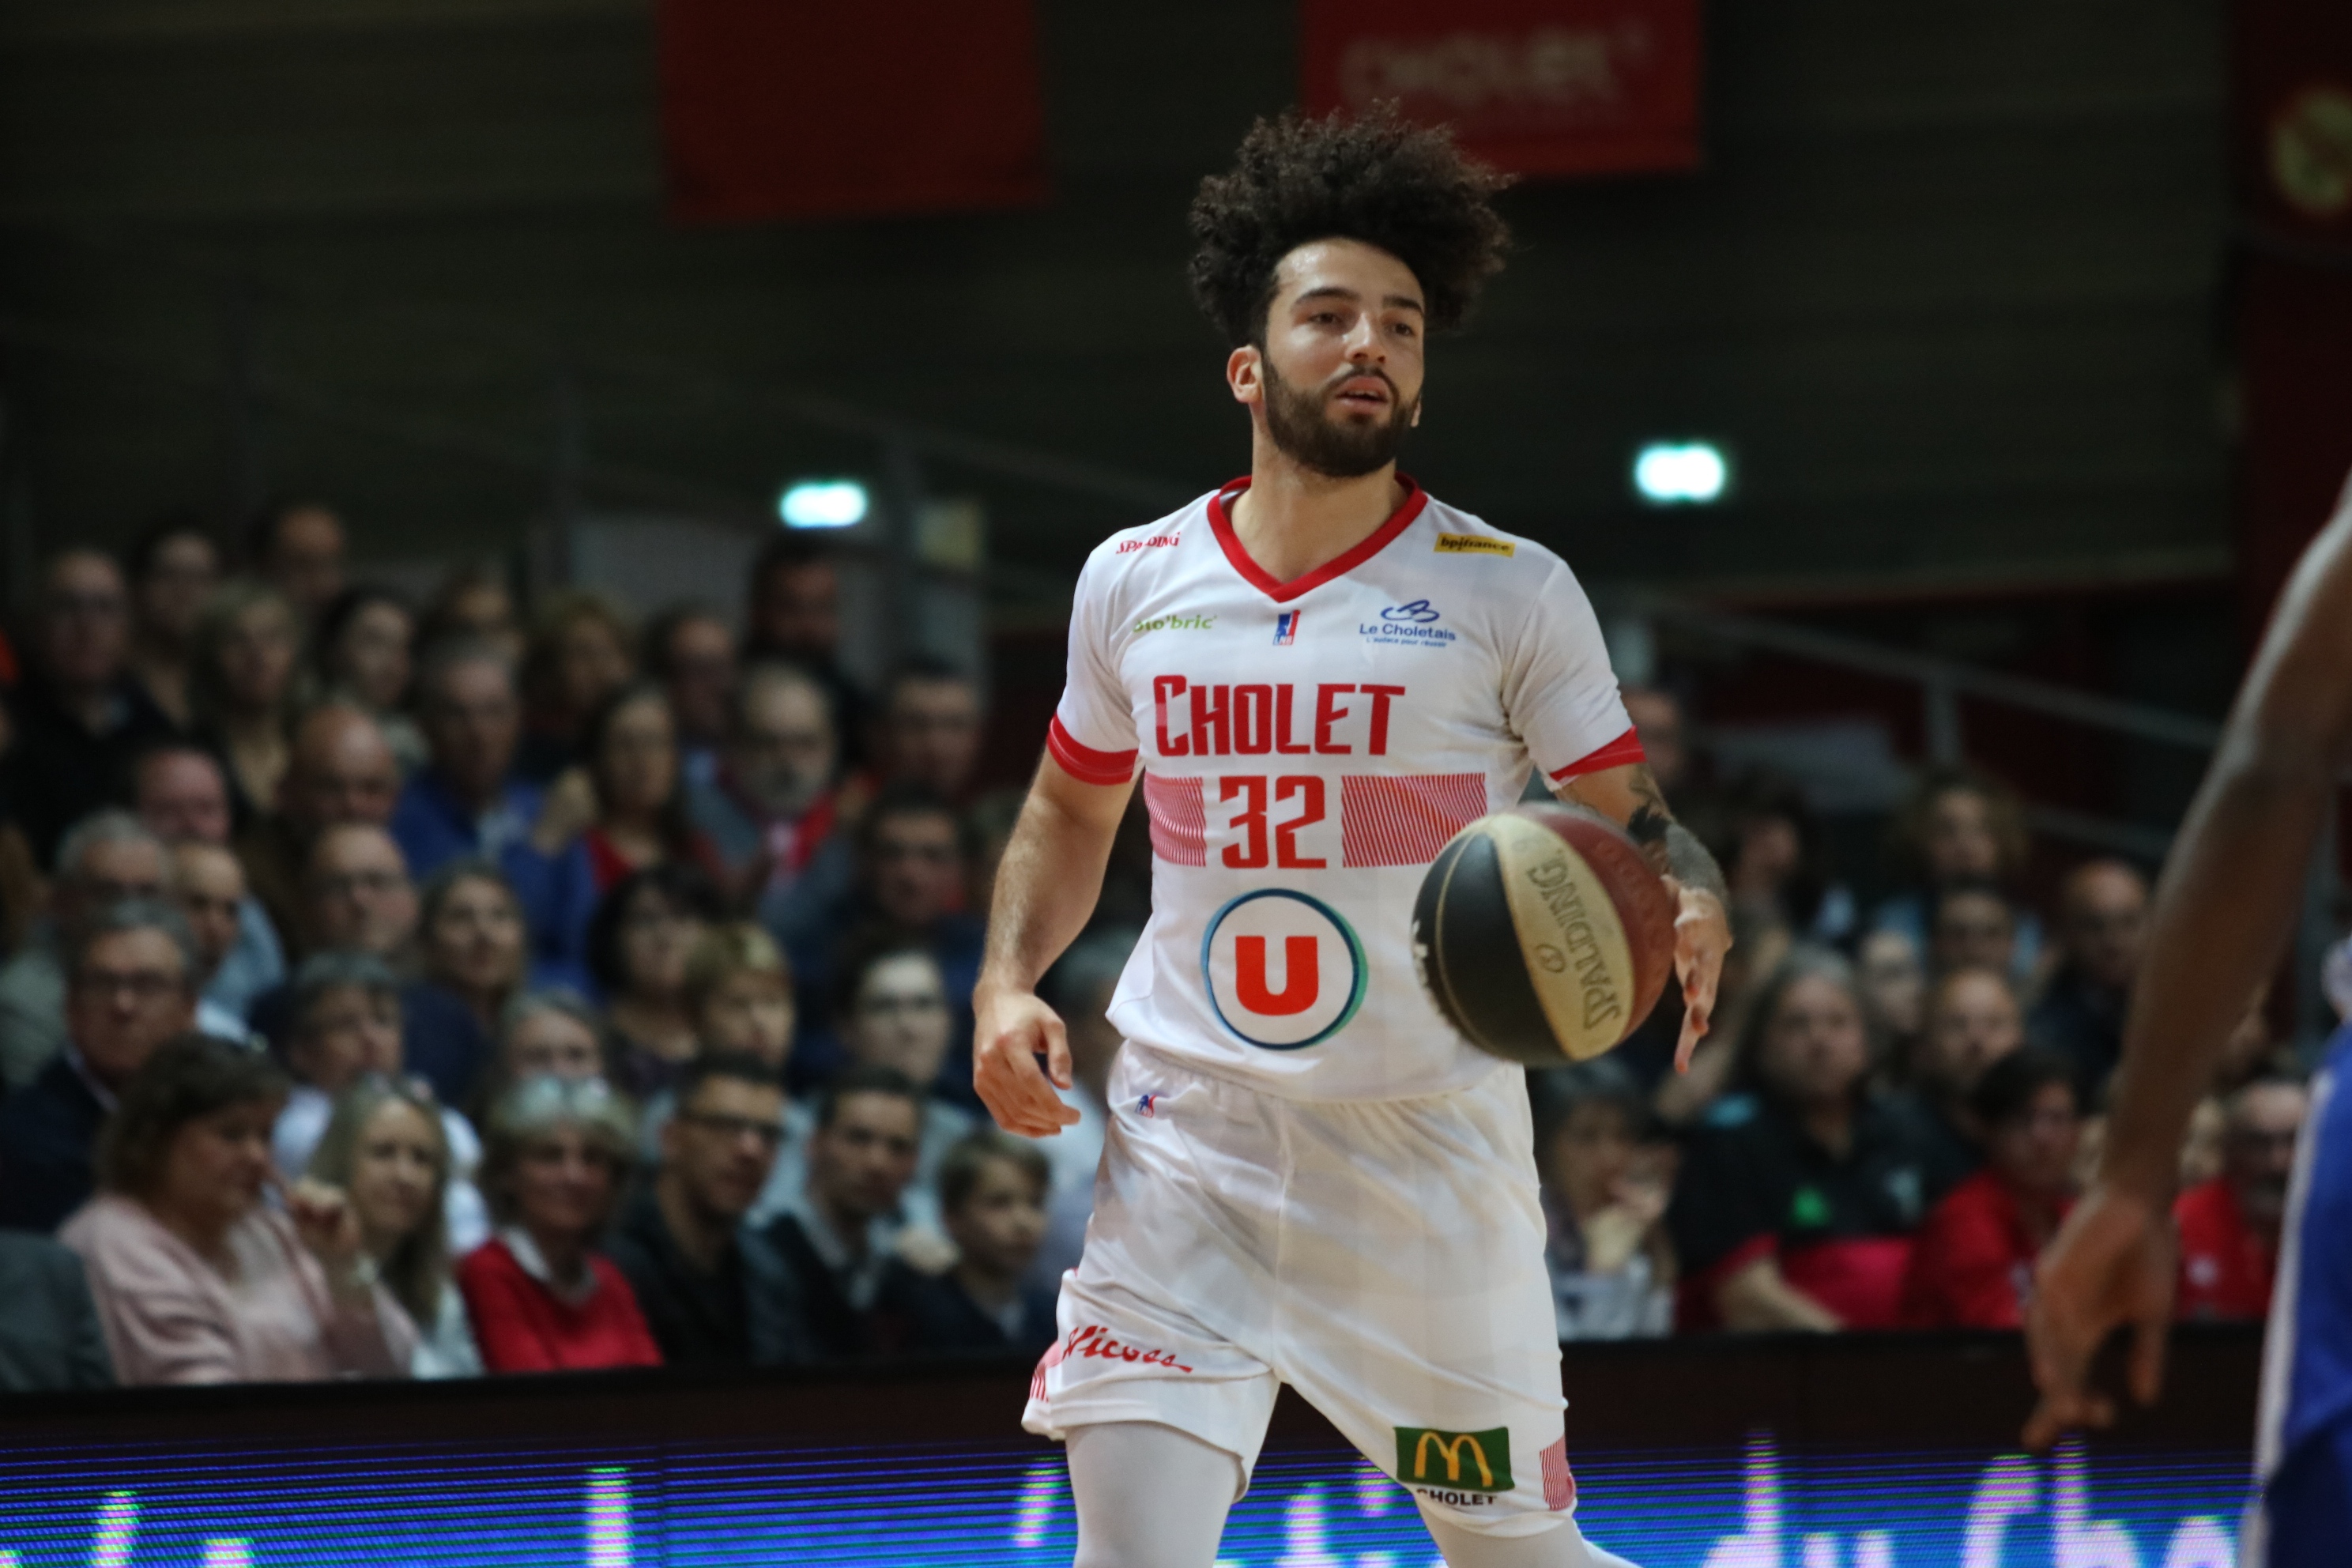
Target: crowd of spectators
(1897, 1103)
(441, 990)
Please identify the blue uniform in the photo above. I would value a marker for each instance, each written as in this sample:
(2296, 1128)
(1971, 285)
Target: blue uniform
(2304, 1449)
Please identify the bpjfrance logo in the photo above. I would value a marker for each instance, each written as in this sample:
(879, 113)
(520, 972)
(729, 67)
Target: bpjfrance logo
(1284, 971)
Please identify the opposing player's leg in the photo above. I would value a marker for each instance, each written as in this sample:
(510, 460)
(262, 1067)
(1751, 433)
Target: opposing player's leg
(1553, 1549)
(1148, 1495)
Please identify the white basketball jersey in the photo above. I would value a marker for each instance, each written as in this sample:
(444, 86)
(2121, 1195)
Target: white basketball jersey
(1306, 749)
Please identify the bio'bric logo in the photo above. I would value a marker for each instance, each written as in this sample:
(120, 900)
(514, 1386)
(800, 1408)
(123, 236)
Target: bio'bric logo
(1416, 612)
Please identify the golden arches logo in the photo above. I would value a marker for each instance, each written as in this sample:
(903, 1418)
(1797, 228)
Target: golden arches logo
(1421, 1450)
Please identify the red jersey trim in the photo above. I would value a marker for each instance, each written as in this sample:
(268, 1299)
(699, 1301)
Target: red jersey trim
(1626, 748)
(1083, 762)
(1257, 577)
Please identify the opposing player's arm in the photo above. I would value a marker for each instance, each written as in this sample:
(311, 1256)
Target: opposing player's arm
(1629, 796)
(1045, 887)
(2226, 901)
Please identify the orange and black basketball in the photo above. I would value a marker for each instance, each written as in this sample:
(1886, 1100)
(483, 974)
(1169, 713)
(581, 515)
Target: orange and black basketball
(1543, 935)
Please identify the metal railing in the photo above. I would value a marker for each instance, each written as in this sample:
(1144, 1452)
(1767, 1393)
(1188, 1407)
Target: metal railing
(1942, 684)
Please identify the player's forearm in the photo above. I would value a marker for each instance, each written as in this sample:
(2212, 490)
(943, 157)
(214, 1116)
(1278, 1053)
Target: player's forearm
(1758, 1300)
(1631, 798)
(2224, 913)
(1048, 880)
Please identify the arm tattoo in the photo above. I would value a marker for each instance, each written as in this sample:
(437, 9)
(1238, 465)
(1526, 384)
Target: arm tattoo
(1672, 848)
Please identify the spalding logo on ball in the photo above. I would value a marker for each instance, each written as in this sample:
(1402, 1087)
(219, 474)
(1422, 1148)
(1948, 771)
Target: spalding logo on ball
(1543, 935)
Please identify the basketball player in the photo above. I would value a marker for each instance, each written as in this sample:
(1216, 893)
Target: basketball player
(1322, 673)
(2229, 898)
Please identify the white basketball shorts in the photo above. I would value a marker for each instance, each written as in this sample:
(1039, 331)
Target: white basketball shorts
(1383, 1257)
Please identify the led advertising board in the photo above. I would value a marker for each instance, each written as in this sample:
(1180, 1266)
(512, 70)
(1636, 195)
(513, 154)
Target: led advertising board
(1763, 1504)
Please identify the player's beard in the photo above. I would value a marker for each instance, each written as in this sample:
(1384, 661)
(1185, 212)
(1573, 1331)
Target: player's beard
(1311, 437)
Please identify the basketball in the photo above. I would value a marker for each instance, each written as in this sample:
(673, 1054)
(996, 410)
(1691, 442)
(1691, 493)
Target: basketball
(1543, 935)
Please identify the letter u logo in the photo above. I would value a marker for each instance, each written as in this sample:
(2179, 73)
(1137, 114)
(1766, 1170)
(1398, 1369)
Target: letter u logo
(1300, 982)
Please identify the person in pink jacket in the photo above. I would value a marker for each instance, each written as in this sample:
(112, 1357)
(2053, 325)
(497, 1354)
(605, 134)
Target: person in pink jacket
(197, 1276)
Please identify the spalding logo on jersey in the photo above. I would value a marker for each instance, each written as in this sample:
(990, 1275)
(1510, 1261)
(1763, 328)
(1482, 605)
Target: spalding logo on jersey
(1284, 971)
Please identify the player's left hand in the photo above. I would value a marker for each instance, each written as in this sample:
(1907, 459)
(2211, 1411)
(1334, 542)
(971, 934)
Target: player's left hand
(1702, 938)
(2110, 1265)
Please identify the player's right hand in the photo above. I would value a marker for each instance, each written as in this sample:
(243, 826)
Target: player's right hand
(2110, 1266)
(1013, 1028)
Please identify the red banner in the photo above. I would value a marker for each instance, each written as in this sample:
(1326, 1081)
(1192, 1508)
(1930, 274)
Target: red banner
(1534, 87)
(2291, 140)
(773, 110)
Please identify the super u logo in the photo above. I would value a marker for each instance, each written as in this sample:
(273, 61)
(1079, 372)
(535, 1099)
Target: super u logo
(1284, 971)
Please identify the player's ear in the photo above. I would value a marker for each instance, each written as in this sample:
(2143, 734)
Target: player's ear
(1242, 374)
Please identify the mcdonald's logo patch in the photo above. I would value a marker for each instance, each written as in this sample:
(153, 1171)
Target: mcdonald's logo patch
(1458, 1461)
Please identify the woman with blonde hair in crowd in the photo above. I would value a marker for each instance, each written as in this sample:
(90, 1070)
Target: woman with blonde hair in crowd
(540, 1297)
(473, 939)
(197, 1279)
(241, 688)
(582, 647)
(738, 996)
(386, 1148)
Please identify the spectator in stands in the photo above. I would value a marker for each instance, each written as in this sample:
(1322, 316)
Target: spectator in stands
(841, 1234)
(386, 1147)
(2230, 1225)
(769, 811)
(181, 795)
(794, 614)
(911, 855)
(341, 770)
(468, 802)
(895, 1016)
(539, 1295)
(1774, 855)
(1972, 925)
(639, 946)
(473, 938)
(928, 731)
(691, 649)
(581, 651)
(627, 803)
(108, 856)
(363, 654)
(1657, 716)
(210, 888)
(1957, 825)
(1972, 1022)
(77, 717)
(1800, 1191)
(298, 548)
(50, 1338)
(241, 689)
(474, 603)
(1893, 978)
(199, 1281)
(1613, 1269)
(345, 1028)
(739, 993)
(129, 988)
(993, 1189)
(171, 569)
(715, 1293)
(358, 899)
(2102, 921)
(1760, 943)
(1972, 1262)
(549, 1033)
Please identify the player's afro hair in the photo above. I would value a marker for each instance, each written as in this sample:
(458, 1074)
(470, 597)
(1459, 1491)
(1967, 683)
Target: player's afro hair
(1375, 178)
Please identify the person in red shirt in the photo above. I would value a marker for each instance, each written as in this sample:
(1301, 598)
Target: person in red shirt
(540, 1297)
(1972, 1262)
(2230, 1225)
